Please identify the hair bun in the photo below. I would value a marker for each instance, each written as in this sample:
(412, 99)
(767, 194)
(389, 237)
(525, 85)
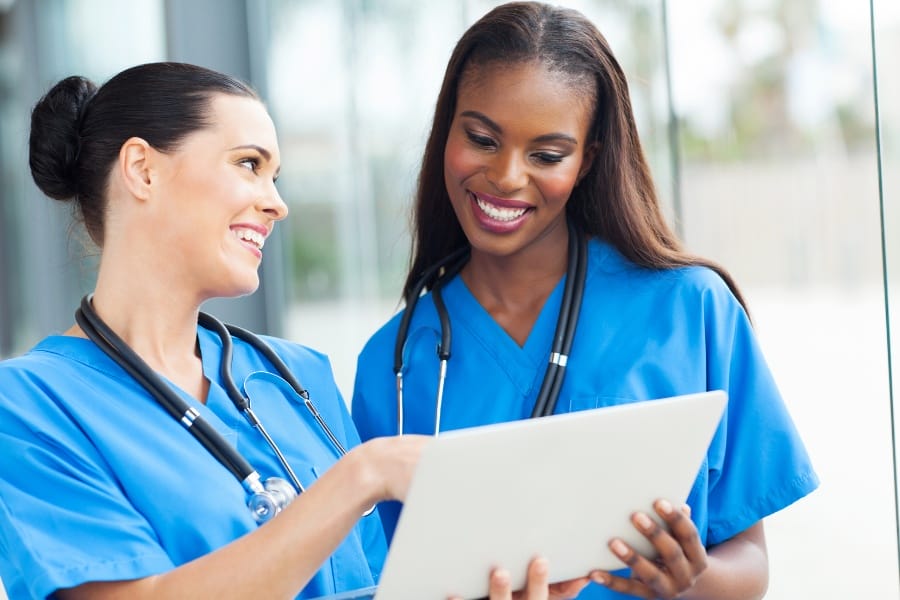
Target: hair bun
(54, 141)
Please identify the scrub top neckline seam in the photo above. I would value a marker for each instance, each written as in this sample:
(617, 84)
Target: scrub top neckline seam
(529, 350)
(510, 358)
(62, 346)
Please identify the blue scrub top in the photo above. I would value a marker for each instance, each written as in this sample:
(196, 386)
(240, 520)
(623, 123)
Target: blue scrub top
(101, 483)
(642, 334)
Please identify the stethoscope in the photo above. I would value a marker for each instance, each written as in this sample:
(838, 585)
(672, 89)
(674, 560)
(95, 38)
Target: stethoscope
(566, 322)
(265, 498)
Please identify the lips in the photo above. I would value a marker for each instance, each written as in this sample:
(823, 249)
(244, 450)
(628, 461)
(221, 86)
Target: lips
(251, 236)
(498, 215)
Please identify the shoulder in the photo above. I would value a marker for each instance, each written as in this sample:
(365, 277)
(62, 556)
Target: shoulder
(311, 366)
(50, 360)
(610, 270)
(42, 392)
(296, 353)
(293, 354)
(307, 367)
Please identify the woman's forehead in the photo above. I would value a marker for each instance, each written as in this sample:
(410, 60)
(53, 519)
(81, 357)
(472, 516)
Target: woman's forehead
(525, 93)
(242, 120)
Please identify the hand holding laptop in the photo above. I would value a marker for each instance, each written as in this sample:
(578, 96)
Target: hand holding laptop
(537, 585)
(678, 542)
(681, 556)
(581, 489)
(500, 586)
(570, 488)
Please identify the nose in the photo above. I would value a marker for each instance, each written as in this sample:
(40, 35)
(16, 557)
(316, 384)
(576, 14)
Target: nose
(508, 172)
(273, 205)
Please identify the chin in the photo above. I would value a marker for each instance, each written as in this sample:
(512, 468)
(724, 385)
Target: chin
(246, 291)
(240, 288)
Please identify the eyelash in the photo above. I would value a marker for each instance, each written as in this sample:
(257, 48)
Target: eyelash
(252, 161)
(549, 159)
(483, 141)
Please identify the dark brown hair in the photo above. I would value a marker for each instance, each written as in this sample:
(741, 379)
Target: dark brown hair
(616, 200)
(77, 129)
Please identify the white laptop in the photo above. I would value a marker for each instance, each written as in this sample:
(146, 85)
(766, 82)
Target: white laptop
(559, 487)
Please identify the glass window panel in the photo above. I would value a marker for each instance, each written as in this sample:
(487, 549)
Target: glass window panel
(39, 44)
(887, 45)
(352, 87)
(775, 107)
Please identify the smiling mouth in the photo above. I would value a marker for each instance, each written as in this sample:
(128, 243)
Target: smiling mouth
(251, 236)
(503, 214)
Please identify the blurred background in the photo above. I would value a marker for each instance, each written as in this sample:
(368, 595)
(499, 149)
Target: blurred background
(772, 127)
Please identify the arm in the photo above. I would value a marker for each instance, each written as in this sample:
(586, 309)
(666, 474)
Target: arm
(278, 559)
(736, 569)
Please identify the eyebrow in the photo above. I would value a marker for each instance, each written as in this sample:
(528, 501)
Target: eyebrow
(266, 154)
(547, 137)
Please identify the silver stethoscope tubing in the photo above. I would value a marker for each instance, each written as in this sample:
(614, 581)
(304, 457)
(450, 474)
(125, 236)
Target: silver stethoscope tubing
(570, 308)
(116, 348)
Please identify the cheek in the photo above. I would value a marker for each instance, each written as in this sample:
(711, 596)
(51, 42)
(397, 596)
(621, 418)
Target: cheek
(558, 186)
(460, 162)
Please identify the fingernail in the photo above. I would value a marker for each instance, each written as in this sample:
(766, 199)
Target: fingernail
(643, 521)
(600, 578)
(665, 507)
(619, 547)
(501, 576)
(540, 566)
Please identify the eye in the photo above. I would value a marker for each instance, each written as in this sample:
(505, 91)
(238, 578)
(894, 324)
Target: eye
(482, 141)
(251, 163)
(548, 158)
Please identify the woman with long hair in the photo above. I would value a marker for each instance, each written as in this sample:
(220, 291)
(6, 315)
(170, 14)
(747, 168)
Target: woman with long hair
(532, 161)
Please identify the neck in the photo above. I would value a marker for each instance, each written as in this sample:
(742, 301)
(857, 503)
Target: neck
(158, 322)
(525, 276)
(513, 289)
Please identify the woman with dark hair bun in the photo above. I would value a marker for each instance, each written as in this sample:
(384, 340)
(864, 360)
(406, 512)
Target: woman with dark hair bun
(538, 240)
(136, 466)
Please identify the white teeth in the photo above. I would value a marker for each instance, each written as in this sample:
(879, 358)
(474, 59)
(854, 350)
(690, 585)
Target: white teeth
(499, 214)
(254, 237)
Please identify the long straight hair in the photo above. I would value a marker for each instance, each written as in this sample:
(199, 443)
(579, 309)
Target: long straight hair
(616, 199)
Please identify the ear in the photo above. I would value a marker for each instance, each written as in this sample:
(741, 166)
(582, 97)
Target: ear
(134, 166)
(587, 161)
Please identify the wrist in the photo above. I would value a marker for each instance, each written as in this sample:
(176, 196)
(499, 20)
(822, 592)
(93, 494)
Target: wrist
(365, 476)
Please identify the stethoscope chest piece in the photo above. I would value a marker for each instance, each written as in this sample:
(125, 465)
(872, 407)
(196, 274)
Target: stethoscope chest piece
(270, 498)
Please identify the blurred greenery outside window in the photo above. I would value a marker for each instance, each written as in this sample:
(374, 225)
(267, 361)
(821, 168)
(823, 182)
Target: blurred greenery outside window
(352, 90)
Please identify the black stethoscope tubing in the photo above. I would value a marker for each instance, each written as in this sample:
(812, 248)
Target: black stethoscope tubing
(570, 308)
(458, 257)
(226, 331)
(451, 265)
(119, 351)
(181, 411)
